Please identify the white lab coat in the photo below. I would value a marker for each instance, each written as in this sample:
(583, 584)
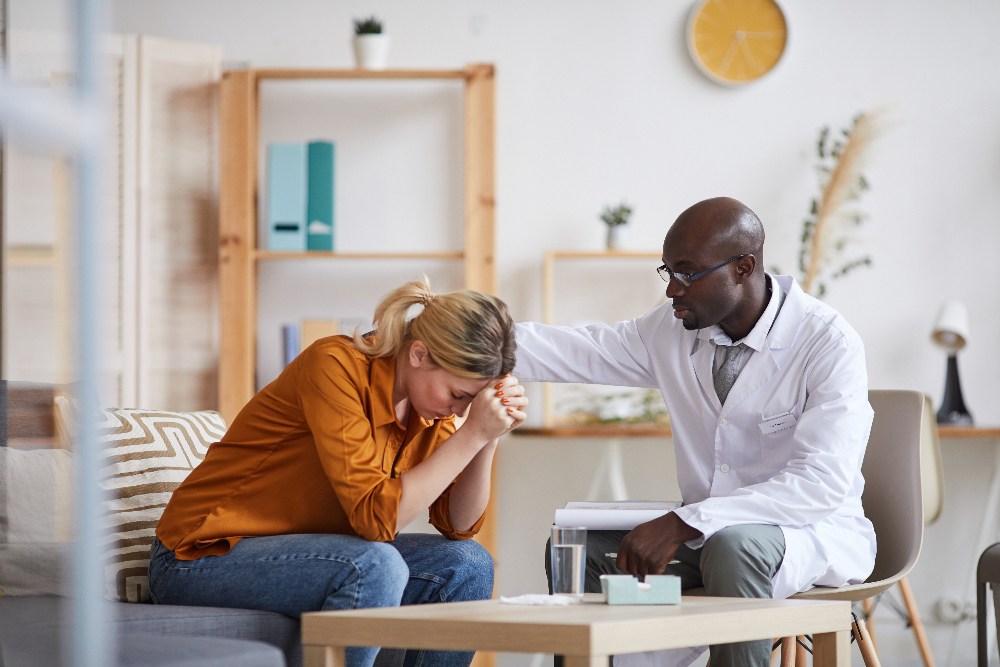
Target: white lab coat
(744, 463)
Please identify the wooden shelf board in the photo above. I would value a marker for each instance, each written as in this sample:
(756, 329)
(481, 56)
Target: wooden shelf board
(944, 432)
(269, 254)
(968, 432)
(308, 73)
(30, 255)
(609, 254)
(595, 432)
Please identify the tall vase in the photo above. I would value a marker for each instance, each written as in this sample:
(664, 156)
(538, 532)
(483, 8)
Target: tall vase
(616, 237)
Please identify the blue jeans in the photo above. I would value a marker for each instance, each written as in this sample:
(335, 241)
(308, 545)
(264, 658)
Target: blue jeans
(291, 574)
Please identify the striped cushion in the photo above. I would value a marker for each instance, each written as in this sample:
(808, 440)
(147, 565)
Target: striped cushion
(147, 455)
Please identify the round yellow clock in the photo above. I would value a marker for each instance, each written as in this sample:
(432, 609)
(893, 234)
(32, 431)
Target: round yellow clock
(736, 41)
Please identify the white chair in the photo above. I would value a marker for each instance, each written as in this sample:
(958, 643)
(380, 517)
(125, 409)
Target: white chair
(932, 490)
(894, 503)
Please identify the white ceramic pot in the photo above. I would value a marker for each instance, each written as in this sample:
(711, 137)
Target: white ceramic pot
(617, 235)
(371, 51)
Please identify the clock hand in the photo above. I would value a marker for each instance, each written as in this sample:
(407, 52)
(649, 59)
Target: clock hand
(727, 61)
(763, 35)
(749, 56)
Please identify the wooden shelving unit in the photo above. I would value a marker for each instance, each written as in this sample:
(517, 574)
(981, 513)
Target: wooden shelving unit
(639, 431)
(968, 433)
(548, 307)
(609, 432)
(268, 254)
(239, 254)
(31, 255)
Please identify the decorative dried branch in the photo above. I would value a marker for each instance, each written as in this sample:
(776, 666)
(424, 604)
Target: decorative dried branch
(824, 235)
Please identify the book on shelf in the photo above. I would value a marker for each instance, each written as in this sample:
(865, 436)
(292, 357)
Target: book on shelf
(613, 514)
(320, 195)
(290, 339)
(286, 197)
(313, 330)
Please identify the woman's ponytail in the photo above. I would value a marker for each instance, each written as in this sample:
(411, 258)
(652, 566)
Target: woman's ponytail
(391, 327)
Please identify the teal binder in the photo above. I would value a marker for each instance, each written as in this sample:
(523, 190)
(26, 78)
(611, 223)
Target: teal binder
(319, 211)
(286, 197)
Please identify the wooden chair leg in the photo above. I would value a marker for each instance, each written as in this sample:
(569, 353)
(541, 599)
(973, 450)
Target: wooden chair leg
(788, 652)
(869, 607)
(801, 655)
(915, 623)
(774, 651)
(860, 631)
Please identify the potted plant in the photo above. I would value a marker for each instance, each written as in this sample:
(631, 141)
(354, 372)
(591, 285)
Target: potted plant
(371, 47)
(616, 218)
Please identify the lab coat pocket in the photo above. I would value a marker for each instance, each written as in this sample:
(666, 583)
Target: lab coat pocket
(775, 439)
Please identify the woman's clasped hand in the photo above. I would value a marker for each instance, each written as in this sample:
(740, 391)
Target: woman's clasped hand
(497, 409)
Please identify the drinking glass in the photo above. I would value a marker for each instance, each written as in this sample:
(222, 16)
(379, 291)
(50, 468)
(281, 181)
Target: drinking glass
(569, 559)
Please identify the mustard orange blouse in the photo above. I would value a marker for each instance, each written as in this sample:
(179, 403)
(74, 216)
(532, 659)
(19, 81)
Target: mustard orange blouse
(319, 450)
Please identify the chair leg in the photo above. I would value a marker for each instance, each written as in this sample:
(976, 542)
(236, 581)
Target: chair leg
(918, 627)
(800, 653)
(860, 631)
(981, 648)
(774, 651)
(869, 606)
(788, 652)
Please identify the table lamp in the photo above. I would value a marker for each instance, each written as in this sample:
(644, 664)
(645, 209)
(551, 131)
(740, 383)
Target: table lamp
(952, 332)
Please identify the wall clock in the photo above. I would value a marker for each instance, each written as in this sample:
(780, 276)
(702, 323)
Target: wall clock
(734, 42)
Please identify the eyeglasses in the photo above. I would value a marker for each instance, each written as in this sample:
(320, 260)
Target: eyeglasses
(687, 278)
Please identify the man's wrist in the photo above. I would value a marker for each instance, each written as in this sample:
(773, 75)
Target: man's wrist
(683, 531)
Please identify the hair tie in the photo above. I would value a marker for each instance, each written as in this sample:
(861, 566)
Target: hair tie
(425, 299)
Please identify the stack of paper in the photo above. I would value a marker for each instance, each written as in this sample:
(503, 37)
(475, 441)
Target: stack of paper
(613, 515)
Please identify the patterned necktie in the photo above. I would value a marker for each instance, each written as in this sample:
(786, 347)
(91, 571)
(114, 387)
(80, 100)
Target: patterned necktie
(728, 371)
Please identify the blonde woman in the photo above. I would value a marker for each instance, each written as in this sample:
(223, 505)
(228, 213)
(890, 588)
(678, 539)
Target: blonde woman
(299, 507)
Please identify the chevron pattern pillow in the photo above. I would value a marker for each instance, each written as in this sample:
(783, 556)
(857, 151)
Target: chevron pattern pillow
(146, 456)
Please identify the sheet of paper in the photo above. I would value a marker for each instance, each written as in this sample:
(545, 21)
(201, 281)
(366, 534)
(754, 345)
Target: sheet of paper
(618, 515)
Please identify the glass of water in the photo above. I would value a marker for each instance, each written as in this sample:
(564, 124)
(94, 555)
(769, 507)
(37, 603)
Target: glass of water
(569, 560)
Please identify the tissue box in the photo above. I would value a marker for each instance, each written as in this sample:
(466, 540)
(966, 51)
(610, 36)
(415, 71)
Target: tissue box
(626, 589)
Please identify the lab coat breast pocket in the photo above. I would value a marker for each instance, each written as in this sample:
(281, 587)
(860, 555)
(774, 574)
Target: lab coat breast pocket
(776, 438)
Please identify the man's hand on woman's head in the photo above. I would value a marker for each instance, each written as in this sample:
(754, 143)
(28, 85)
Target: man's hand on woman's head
(497, 409)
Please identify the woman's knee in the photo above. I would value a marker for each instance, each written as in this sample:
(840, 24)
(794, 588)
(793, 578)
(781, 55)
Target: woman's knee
(386, 564)
(478, 563)
(472, 565)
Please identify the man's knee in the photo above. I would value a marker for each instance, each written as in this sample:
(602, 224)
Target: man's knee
(740, 561)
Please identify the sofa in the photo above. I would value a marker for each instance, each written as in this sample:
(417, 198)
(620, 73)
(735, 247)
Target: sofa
(35, 506)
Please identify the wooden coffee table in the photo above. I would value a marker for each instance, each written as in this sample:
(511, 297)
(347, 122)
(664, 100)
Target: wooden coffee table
(585, 634)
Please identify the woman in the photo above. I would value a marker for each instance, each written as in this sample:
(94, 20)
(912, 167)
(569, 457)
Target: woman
(298, 508)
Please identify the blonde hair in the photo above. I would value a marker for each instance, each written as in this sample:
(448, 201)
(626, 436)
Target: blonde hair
(469, 334)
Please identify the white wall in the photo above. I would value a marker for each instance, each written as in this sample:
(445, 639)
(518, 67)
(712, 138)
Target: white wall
(599, 101)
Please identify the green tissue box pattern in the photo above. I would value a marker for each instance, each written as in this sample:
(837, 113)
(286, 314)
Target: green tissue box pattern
(626, 589)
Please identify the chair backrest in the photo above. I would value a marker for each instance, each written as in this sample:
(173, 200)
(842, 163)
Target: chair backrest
(931, 470)
(892, 498)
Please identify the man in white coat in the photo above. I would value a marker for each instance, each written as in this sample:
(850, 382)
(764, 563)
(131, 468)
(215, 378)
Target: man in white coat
(768, 398)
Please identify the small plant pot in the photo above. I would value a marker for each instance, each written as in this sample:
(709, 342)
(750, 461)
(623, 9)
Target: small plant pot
(371, 51)
(617, 235)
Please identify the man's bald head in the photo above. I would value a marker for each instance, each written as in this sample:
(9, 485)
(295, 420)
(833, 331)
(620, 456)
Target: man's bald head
(720, 243)
(722, 224)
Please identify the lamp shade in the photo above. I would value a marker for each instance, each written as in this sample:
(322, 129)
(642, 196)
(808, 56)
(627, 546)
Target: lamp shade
(952, 328)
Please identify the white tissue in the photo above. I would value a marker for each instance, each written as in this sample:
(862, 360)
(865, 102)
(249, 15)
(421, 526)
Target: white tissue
(545, 600)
